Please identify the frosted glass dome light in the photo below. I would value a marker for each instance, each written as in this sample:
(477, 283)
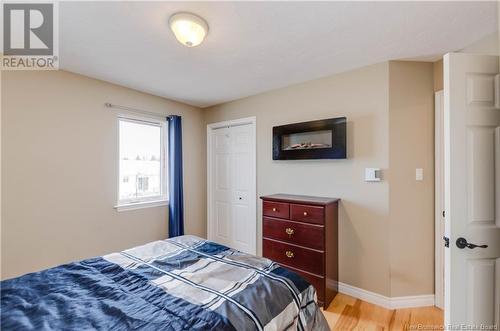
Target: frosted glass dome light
(189, 29)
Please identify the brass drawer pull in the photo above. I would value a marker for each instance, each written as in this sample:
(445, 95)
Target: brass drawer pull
(305, 213)
(289, 254)
(289, 231)
(274, 209)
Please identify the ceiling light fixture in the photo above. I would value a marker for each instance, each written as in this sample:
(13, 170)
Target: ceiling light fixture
(189, 29)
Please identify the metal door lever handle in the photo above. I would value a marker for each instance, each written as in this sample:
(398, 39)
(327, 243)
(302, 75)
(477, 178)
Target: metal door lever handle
(462, 243)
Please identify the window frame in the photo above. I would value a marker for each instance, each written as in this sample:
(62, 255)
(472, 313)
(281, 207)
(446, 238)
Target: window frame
(153, 201)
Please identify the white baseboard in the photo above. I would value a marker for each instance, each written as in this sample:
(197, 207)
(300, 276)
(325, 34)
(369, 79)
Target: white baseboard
(386, 302)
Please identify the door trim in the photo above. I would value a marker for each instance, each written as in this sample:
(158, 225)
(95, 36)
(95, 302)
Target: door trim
(210, 180)
(439, 192)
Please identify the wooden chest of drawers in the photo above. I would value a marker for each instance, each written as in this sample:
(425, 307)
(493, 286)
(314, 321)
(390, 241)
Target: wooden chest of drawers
(301, 234)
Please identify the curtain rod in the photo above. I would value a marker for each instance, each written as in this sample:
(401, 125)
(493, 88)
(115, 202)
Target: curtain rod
(134, 110)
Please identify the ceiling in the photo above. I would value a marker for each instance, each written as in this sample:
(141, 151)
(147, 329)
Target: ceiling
(254, 47)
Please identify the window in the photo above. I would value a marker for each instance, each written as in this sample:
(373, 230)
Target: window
(142, 167)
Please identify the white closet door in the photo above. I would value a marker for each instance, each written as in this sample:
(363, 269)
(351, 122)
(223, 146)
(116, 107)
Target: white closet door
(232, 192)
(223, 186)
(243, 220)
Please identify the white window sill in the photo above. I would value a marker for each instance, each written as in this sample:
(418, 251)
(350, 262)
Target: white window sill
(141, 205)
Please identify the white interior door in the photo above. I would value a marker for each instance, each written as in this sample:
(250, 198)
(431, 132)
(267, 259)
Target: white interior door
(472, 189)
(231, 185)
(222, 190)
(244, 223)
(439, 218)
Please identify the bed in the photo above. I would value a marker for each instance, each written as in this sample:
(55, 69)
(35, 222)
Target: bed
(183, 283)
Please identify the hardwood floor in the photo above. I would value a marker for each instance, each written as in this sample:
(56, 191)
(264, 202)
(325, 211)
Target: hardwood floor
(348, 313)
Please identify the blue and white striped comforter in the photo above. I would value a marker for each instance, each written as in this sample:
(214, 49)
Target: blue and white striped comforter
(184, 283)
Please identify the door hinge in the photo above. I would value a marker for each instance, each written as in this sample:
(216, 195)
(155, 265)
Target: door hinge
(446, 241)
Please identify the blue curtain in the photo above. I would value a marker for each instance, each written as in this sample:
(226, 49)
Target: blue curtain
(175, 190)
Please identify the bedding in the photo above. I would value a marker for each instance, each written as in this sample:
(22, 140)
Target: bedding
(183, 283)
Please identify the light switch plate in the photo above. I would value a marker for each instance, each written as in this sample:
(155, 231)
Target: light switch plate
(419, 174)
(372, 174)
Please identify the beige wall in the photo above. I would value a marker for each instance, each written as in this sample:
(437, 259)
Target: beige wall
(63, 138)
(362, 96)
(438, 75)
(366, 229)
(59, 155)
(411, 202)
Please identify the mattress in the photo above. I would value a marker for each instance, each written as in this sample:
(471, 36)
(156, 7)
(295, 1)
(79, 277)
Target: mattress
(183, 283)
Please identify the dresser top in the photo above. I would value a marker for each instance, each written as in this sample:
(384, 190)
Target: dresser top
(302, 199)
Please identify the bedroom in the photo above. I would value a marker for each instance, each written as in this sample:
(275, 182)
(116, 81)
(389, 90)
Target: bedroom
(90, 164)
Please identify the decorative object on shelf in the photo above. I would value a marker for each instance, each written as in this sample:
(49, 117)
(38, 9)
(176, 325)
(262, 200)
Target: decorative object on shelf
(308, 145)
(301, 234)
(322, 139)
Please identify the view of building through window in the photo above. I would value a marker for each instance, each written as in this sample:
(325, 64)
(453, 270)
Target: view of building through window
(140, 160)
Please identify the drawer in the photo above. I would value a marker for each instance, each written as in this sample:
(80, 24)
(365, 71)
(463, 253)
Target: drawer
(303, 234)
(316, 281)
(306, 213)
(276, 209)
(294, 256)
